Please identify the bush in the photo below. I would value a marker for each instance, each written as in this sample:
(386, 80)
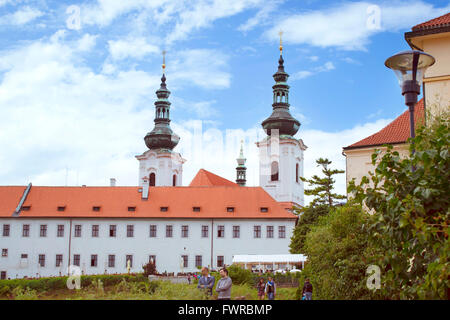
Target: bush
(149, 269)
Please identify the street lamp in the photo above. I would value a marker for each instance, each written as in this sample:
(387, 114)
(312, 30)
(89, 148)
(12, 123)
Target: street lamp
(409, 67)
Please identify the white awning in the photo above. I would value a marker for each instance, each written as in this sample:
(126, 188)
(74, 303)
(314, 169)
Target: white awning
(269, 258)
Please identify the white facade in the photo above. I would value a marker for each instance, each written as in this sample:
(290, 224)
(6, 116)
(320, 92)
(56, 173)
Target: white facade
(166, 165)
(287, 153)
(168, 251)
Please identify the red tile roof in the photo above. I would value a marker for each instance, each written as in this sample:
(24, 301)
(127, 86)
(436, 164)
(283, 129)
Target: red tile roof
(204, 178)
(442, 21)
(398, 131)
(114, 202)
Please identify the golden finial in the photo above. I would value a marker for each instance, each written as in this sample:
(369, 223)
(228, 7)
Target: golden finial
(164, 60)
(281, 41)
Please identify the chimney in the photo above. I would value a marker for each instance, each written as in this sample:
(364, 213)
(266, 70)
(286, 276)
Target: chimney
(112, 182)
(145, 186)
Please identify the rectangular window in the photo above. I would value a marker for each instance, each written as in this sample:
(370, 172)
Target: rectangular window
(185, 261)
(169, 231)
(111, 261)
(3, 275)
(130, 231)
(153, 231)
(24, 256)
(4, 252)
(77, 230)
(26, 230)
(236, 232)
(112, 230)
(220, 261)
(129, 257)
(59, 260)
(198, 261)
(43, 230)
(152, 258)
(269, 231)
(42, 260)
(60, 232)
(93, 260)
(95, 230)
(184, 231)
(281, 232)
(256, 231)
(220, 231)
(76, 260)
(205, 232)
(6, 230)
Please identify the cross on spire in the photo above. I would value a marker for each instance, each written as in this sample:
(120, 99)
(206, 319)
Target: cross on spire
(281, 41)
(164, 60)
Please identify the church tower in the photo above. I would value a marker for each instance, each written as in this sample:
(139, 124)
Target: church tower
(241, 169)
(281, 155)
(160, 165)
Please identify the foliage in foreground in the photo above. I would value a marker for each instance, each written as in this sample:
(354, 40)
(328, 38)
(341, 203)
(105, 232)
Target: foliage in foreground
(336, 247)
(410, 200)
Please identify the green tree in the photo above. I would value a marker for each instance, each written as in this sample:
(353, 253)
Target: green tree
(410, 200)
(336, 248)
(308, 216)
(323, 187)
(324, 200)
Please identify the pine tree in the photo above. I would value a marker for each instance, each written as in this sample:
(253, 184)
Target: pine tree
(323, 187)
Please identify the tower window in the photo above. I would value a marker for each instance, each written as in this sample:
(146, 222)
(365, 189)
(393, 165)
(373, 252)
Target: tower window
(296, 172)
(274, 171)
(152, 179)
(174, 180)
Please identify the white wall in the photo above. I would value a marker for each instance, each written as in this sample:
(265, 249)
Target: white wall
(164, 164)
(288, 153)
(168, 251)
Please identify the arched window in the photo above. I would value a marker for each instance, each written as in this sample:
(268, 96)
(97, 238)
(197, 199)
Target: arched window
(296, 172)
(174, 180)
(152, 179)
(274, 171)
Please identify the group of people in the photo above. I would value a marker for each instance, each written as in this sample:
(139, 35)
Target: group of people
(206, 282)
(223, 288)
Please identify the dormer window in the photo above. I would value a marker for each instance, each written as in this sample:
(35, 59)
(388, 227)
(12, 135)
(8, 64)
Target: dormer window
(164, 209)
(61, 208)
(230, 209)
(264, 209)
(95, 208)
(26, 208)
(196, 209)
(131, 209)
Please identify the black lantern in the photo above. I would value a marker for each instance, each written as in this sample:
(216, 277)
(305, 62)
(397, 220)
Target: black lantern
(410, 67)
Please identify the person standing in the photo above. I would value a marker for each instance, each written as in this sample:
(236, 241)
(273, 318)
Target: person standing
(307, 290)
(224, 285)
(271, 289)
(206, 281)
(261, 287)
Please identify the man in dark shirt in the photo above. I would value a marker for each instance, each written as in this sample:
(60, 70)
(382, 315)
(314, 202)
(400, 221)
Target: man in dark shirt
(307, 290)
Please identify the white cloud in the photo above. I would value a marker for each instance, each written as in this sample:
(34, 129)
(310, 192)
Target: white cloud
(327, 66)
(262, 17)
(346, 25)
(136, 48)
(201, 67)
(22, 16)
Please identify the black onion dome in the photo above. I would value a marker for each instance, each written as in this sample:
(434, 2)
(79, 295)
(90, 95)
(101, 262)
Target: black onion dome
(281, 119)
(162, 136)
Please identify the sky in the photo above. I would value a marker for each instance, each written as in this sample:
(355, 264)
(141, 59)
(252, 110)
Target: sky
(78, 81)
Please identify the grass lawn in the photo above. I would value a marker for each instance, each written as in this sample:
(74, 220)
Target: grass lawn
(125, 290)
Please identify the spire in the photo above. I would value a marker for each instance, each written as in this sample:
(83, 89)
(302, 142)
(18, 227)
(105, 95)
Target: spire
(241, 169)
(281, 119)
(162, 136)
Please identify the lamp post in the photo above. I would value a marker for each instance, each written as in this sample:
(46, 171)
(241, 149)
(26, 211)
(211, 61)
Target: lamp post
(409, 67)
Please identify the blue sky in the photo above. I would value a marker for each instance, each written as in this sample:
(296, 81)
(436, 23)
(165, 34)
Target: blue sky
(77, 91)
